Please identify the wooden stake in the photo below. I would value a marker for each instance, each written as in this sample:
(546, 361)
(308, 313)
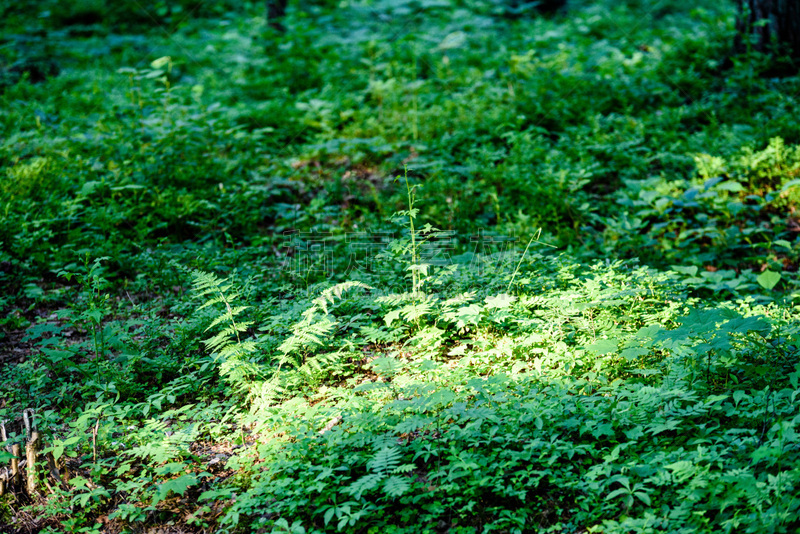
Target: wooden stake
(15, 450)
(30, 453)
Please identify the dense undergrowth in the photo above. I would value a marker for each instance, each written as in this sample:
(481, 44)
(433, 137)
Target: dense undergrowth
(412, 266)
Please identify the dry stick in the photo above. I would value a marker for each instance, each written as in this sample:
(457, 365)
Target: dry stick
(5, 475)
(332, 423)
(94, 439)
(3, 434)
(53, 468)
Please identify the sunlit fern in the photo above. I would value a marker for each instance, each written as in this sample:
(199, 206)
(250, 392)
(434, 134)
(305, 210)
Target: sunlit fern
(226, 345)
(316, 325)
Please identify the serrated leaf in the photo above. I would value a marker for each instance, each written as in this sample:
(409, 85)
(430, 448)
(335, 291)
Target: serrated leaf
(396, 486)
(386, 366)
(363, 484)
(412, 312)
(385, 460)
(177, 485)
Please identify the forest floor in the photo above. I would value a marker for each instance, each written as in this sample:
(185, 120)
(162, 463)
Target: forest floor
(411, 266)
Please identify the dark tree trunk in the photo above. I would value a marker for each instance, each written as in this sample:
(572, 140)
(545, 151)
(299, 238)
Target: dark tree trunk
(769, 26)
(276, 9)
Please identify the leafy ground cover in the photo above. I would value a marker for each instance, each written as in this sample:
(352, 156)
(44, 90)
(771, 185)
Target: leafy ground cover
(411, 266)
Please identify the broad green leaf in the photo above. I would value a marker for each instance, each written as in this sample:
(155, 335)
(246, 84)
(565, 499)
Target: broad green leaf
(768, 279)
(690, 270)
(178, 485)
(730, 185)
(604, 346)
(633, 353)
(160, 62)
(453, 40)
(391, 317)
(218, 494)
(501, 301)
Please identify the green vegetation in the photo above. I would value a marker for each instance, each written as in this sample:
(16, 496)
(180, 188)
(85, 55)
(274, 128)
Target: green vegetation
(414, 266)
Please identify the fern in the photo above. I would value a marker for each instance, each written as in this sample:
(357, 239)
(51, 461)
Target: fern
(363, 484)
(372, 334)
(385, 468)
(396, 486)
(226, 345)
(310, 332)
(385, 461)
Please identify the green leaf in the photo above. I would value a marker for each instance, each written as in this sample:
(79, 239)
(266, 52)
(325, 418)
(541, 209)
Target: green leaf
(391, 317)
(160, 62)
(768, 279)
(691, 270)
(328, 515)
(385, 460)
(603, 346)
(501, 301)
(58, 448)
(617, 493)
(453, 40)
(633, 353)
(396, 486)
(730, 185)
(363, 484)
(215, 495)
(178, 485)
(386, 366)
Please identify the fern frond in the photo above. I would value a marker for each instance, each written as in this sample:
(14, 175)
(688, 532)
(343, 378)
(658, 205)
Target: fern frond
(396, 486)
(363, 484)
(227, 344)
(385, 461)
(332, 293)
(309, 334)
